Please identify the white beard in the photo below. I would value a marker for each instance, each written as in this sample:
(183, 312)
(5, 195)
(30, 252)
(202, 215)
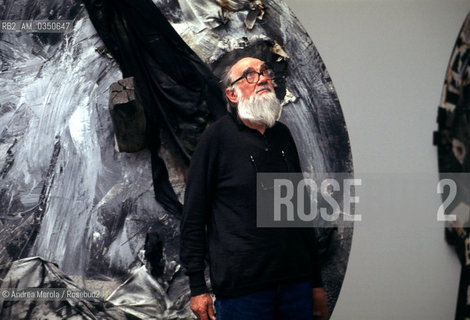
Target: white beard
(259, 110)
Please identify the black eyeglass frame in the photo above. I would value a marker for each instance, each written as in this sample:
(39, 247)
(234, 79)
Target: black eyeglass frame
(261, 73)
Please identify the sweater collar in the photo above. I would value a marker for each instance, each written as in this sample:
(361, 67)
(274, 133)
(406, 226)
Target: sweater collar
(241, 126)
(237, 120)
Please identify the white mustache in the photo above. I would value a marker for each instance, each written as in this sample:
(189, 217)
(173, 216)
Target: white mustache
(265, 87)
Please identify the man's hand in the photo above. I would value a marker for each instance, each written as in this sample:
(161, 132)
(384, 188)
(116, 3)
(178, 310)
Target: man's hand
(320, 304)
(203, 307)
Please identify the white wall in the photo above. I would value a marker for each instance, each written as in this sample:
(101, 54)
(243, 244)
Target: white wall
(387, 59)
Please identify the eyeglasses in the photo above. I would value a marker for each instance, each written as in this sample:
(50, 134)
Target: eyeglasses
(252, 76)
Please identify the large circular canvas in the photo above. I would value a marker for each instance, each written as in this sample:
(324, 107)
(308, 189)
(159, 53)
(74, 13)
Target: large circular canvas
(453, 145)
(67, 195)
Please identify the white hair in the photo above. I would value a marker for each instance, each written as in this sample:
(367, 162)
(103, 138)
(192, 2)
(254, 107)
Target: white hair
(227, 85)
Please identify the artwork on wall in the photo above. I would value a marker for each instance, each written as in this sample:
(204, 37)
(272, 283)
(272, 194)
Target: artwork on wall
(453, 145)
(68, 196)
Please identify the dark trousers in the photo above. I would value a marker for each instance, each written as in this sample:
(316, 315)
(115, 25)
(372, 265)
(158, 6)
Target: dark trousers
(284, 302)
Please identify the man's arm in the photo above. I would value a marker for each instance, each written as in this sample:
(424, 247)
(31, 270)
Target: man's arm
(320, 302)
(196, 214)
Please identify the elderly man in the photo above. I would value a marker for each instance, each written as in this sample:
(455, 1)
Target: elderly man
(256, 273)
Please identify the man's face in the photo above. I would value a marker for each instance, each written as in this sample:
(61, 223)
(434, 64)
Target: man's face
(247, 90)
(254, 93)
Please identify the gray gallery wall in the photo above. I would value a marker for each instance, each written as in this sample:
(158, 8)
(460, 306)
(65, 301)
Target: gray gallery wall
(387, 59)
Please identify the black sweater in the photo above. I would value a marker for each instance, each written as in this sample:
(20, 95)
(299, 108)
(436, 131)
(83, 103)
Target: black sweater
(220, 208)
